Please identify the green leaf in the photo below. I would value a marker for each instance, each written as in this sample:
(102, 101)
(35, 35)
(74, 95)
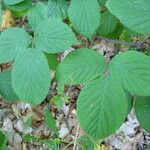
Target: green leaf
(85, 16)
(19, 14)
(31, 76)
(102, 2)
(6, 90)
(80, 67)
(132, 13)
(30, 138)
(142, 111)
(53, 36)
(12, 2)
(12, 42)
(86, 143)
(133, 70)
(105, 103)
(3, 141)
(20, 6)
(108, 24)
(28, 122)
(57, 9)
(49, 120)
(117, 32)
(52, 60)
(57, 101)
(148, 146)
(36, 14)
(52, 144)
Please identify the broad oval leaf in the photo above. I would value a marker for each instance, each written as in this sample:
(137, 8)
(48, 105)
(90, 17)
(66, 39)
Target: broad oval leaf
(85, 16)
(132, 13)
(6, 90)
(80, 67)
(108, 24)
(31, 76)
(105, 103)
(12, 2)
(53, 36)
(12, 42)
(57, 9)
(142, 111)
(133, 69)
(36, 14)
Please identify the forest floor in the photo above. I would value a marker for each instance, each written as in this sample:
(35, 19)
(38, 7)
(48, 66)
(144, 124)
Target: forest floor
(13, 118)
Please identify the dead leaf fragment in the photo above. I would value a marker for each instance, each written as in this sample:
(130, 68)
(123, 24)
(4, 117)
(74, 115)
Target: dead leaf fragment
(7, 20)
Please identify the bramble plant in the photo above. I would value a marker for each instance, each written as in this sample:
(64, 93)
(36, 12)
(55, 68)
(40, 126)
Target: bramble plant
(108, 85)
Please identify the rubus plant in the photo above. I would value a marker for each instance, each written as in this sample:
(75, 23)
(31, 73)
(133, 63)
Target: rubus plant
(108, 85)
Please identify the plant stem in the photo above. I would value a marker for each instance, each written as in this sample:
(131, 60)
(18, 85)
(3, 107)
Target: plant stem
(134, 44)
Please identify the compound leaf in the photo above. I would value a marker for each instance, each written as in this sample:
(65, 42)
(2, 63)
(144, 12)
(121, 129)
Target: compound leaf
(12, 42)
(132, 13)
(105, 103)
(31, 76)
(36, 14)
(6, 90)
(57, 9)
(133, 69)
(142, 111)
(79, 67)
(85, 16)
(53, 36)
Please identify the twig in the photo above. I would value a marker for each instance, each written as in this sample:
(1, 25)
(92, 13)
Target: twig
(132, 44)
(137, 140)
(75, 141)
(67, 145)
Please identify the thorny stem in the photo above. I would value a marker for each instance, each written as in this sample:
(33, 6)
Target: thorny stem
(131, 44)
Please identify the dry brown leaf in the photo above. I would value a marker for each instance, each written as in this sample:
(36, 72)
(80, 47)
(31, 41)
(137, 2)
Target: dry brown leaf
(7, 20)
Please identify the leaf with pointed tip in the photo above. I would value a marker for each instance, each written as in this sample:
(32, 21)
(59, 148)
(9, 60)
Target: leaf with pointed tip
(12, 42)
(142, 111)
(6, 90)
(36, 14)
(105, 103)
(57, 9)
(132, 13)
(53, 36)
(31, 76)
(133, 69)
(80, 67)
(85, 16)
(49, 120)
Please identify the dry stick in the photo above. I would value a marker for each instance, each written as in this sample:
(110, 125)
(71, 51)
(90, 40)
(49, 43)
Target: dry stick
(134, 44)
(75, 141)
